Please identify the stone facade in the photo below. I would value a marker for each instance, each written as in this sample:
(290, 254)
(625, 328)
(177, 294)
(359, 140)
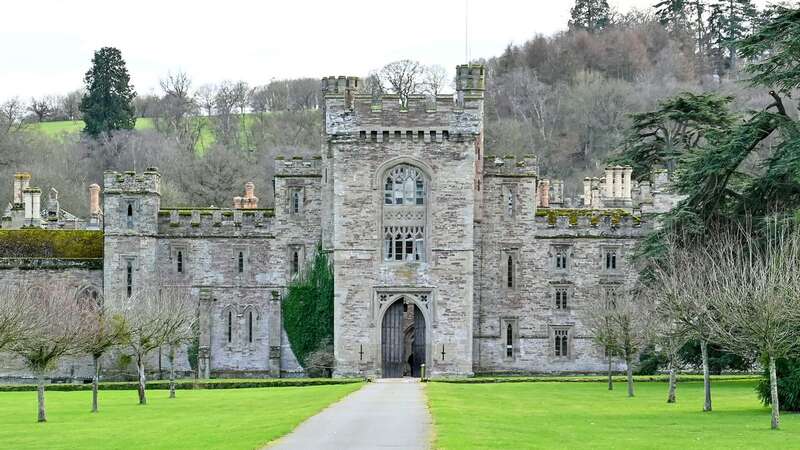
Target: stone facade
(498, 262)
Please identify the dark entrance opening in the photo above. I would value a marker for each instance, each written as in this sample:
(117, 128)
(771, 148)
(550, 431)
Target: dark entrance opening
(403, 340)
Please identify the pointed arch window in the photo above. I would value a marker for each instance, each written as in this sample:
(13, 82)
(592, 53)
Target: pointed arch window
(404, 185)
(130, 215)
(404, 214)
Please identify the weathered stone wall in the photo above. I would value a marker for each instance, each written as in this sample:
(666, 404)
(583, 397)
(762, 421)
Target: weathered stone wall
(365, 139)
(531, 305)
(234, 261)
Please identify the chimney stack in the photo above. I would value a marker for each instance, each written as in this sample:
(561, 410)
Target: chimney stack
(21, 182)
(249, 201)
(94, 199)
(544, 193)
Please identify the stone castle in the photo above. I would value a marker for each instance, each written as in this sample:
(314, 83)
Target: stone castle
(443, 254)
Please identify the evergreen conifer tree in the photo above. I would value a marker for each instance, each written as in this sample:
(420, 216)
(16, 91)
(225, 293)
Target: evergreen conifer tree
(590, 15)
(108, 103)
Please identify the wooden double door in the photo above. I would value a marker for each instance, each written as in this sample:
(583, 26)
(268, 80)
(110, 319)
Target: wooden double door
(402, 340)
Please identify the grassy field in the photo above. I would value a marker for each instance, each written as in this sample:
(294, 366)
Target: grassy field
(587, 415)
(219, 419)
(54, 129)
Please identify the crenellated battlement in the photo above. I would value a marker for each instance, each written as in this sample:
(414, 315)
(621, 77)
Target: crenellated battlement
(298, 166)
(199, 222)
(614, 223)
(148, 181)
(511, 166)
(353, 114)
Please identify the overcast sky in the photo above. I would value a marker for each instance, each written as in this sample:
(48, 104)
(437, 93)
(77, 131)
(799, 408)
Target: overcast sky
(46, 45)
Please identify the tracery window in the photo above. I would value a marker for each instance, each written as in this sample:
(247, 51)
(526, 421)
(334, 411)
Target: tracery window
(561, 344)
(404, 185)
(561, 298)
(404, 214)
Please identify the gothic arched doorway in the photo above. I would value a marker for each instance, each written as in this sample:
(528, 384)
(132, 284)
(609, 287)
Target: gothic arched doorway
(402, 340)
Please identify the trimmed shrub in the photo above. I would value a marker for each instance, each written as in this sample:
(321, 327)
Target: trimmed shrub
(788, 384)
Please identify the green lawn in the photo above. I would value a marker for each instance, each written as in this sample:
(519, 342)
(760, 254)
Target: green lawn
(197, 419)
(587, 415)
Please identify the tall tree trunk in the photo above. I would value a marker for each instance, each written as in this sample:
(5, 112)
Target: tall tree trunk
(706, 375)
(40, 396)
(171, 371)
(629, 370)
(610, 379)
(142, 394)
(95, 381)
(672, 383)
(773, 390)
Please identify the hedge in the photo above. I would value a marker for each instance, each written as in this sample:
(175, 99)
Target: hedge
(189, 384)
(588, 379)
(38, 243)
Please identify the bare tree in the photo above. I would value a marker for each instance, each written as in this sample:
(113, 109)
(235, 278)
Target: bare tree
(176, 109)
(630, 317)
(42, 107)
(226, 100)
(598, 322)
(70, 104)
(183, 326)
(15, 310)
(103, 330)
(681, 290)
(404, 78)
(435, 80)
(56, 330)
(756, 294)
(11, 115)
(151, 318)
(205, 96)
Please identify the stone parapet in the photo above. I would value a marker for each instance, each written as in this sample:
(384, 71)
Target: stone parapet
(198, 222)
(297, 166)
(589, 223)
(511, 166)
(130, 182)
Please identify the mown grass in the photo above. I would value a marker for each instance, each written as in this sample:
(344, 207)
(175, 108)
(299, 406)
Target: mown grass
(197, 419)
(587, 415)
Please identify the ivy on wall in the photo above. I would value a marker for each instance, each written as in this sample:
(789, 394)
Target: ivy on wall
(308, 307)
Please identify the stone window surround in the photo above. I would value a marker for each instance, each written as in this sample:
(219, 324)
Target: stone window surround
(553, 252)
(378, 185)
(511, 250)
(173, 257)
(290, 249)
(300, 192)
(509, 211)
(245, 250)
(515, 335)
(135, 205)
(604, 250)
(570, 329)
(569, 289)
(124, 259)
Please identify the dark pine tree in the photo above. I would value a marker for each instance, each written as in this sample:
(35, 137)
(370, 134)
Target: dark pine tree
(108, 103)
(590, 15)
